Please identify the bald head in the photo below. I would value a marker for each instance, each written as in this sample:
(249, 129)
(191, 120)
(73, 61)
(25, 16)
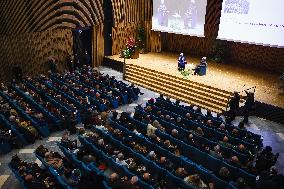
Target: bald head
(134, 180)
(146, 176)
(113, 177)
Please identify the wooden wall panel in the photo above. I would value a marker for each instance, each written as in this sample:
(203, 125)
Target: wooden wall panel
(120, 34)
(128, 16)
(18, 16)
(153, 38)
(98, 47)
(257, 56)
(31, 30)
(123, 31)
(30, 51)
(127, 11)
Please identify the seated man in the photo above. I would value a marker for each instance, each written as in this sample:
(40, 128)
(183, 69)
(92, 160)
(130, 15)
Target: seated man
(67, 143)
(181, 62)
(198, 68)
(195, 181)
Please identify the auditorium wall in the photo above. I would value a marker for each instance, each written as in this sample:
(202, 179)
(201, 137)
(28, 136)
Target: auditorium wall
(31, 26)
(128, 16)
(29, 51)
(20, 18)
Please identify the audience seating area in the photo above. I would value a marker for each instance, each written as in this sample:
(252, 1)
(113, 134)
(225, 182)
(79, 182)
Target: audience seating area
(35, 107)
(162, 145)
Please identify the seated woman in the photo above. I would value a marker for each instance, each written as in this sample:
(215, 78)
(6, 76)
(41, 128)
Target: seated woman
(203, 63)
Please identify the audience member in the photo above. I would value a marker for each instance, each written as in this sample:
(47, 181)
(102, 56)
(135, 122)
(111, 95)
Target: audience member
(224, 174)
(195, 181)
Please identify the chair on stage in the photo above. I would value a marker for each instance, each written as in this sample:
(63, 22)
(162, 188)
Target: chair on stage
(202, 70)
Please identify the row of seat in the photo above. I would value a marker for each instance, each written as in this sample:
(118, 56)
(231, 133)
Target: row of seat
(191, 167)
(150, 166)
(41, 127)
(121, 170)
(182, 110)
(52, 122)
(93, 100)
(114, 102)
(5, 144)
(196, 156)
(55, 121)
(213, 135)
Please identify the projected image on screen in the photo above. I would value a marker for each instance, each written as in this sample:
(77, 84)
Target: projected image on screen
(179, 16)
(258, 22)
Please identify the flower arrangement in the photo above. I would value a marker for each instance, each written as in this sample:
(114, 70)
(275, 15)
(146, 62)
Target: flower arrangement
(219, 51)
(186, 73)
(130, 48)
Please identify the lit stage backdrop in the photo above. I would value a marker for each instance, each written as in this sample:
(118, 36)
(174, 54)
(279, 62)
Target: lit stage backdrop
(185, 17)
(258, 22)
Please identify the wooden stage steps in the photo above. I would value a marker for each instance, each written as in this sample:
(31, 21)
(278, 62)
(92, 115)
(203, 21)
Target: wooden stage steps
(191, 92)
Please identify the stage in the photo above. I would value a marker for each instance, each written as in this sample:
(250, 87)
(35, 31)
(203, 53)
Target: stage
(223, 76)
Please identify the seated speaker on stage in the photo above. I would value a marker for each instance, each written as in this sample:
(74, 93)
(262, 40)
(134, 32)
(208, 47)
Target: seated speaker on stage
(201, 68)
(181, 62)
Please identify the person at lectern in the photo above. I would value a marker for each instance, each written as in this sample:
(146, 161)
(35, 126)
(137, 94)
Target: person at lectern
(201, 68)
(181, 62)
(249, 105)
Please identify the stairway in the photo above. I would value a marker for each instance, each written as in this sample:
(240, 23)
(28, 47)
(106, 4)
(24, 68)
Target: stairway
(191, 92)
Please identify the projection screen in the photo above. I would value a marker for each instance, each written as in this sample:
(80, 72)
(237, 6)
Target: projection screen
(258, 22)
(185, 17)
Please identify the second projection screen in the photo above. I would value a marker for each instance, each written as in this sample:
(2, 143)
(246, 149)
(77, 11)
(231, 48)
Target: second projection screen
(185, 17)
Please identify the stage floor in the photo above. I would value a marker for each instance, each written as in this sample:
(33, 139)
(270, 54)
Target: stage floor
(223, 76)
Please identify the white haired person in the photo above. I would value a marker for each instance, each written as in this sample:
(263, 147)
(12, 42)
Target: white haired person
(181, 62)
(202, 65)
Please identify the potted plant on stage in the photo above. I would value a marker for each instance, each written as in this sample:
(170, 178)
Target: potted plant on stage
(141, 40)
(219, 51)
(131, 49)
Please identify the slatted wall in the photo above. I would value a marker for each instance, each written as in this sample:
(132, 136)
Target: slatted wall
(127, 11)
(18, 17)
(24, 24)
(22, 16)
(30, 51)
(128, 16)
(98, 45)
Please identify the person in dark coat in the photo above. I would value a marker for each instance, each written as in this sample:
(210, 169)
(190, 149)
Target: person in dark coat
(234, 105)
(70, 63)
(248, 107)
(52, 64)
